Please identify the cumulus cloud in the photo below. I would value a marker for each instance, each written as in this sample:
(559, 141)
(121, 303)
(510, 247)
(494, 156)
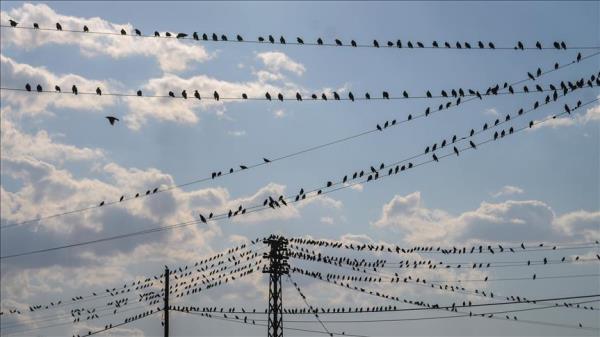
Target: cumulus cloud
(508, 190)
(577, 119)
(278, 61)
(180, 55)
(15, 75)
(527, 220)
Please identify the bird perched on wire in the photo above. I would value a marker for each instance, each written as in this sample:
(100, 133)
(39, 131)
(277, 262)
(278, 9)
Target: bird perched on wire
(112, 119)
(58, 26)
(13, 23)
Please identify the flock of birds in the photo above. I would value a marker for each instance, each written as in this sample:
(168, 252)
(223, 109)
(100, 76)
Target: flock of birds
(558, 45)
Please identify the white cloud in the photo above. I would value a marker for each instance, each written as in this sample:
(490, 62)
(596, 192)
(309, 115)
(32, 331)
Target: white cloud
(576, 119)
(327, 220)
(16, 75)
(277, 61)
(491, 112)
(528, 220)
(508, 190)
(180, 55)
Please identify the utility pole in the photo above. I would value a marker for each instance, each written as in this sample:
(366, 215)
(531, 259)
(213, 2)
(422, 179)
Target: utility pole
(166, 309)
(278, 265)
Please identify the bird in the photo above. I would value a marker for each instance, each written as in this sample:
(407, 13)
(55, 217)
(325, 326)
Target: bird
(156, 34)
(181, 35)
(243, 167)
(58, 26)
(266, 160)
(375, 44)
(520, 45)
(353, 43)
(195, 36)
(171, 94)
(538, 45)
(351, 96)
(338, 42)
(268, 96)
(336, 96)
(202, 218)
(223, 37)
(379, 127)
(239, 38)
(271, 39)
(428, 94)
(123, 32)
(244, 96)
(280, 97)
(28, 87)
(112, 119)
(197, 94)
(13, 23)
(386, 95)
(367, 96)
(435, 157)
(298, 96)
(405, 94)
(473, 144)
(184, 94)
(57, 88)
(319, 41)
(101, 204)
(204, 37)
(36, 25)
(122, 197)
(491, 45)
(74, 89)
(456, 150)
(216, 95)
(167, 34)
(98, 91)
(215, 37)
(299, 40)
(137, 32)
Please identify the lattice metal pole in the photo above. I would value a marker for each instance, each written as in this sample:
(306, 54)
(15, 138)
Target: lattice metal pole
(278, 265)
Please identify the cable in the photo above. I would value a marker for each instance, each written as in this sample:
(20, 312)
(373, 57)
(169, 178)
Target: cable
(316, 314)
(283, 157)
(557, 45)
(258, 208)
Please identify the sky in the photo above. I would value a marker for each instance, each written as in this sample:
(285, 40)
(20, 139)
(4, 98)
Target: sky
(58, 153)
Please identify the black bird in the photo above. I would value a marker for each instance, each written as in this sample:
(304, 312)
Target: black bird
(367, 96)
(428, 94)
(98, 91)
(405, 94)
(58, 26)
(28, 87)
(480, 44)
(268, 96)
(101, 204)
(74, 89)
(112, 119)
(138, 32)
(520, 45)
(578, 57)
(167, 34)
(243, 167)
(435, 157)
(353, 43)
(36, 26)
(444, 93)
(456, 150)
(319, 41)
(300, 41)
(202, 218)
(197, 94)
(386, 95)
(563, 45)
(491, 45)
(139, 93)
(556, 45)
(420, 44)
(261, 39)
(530, 75)
(239, 38)
(266, 160)
(244, 96)
(473, 144)
(351, 96)
(195, 36)
(13, 23)
(447, 45)
(375, 44)
(336, 96)
(379, 127)
(280, 97)
(171, 94)
(122, 197)
(298, 96)
(323, 96)
(216, 95)
(181, 35)
(314, 96)
(57, 88)
(531, 124)
(538, 45)
(467, 45)
(495, 135)
(271, 39)
(184, 94)
(338, 42)
(223, 37)
(123, 32)
(204, 37)
(567, 109)
(156, 34)
(409, 44)
(390, 44)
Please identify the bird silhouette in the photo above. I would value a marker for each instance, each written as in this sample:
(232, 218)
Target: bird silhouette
(156, 34)
(268, 96)
(299, 40)
(338, 42)
(216, 95)
(266, 160)
(57, 88)
(472, 144)
(351, 96)
(319, 41)
(223, 37)
(13, 23)
(353, 43)
(74, 89)
(98, 91)
(336, 96)
(298, 96)
(123, 32)
(282, 40)
(271, 39)
(112, 119)
(435, 157)
(58, 26)
(197, 94)
(36, 25)
(375, 44)
(538, 45)
(386, 95)
(367, 96)
(181, 35)
(195, 36)
(28, 87)
(239, 38)
(280, 97)
(171, 94)
(184, 94)
(456, 150)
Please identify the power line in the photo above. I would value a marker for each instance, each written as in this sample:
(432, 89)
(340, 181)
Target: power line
(397, 44)
(280, 158)
(258, 208)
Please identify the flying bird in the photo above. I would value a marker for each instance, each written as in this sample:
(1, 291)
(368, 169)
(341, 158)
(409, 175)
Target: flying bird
(112, 119)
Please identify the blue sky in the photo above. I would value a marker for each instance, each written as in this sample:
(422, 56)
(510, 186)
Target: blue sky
(540, 185)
